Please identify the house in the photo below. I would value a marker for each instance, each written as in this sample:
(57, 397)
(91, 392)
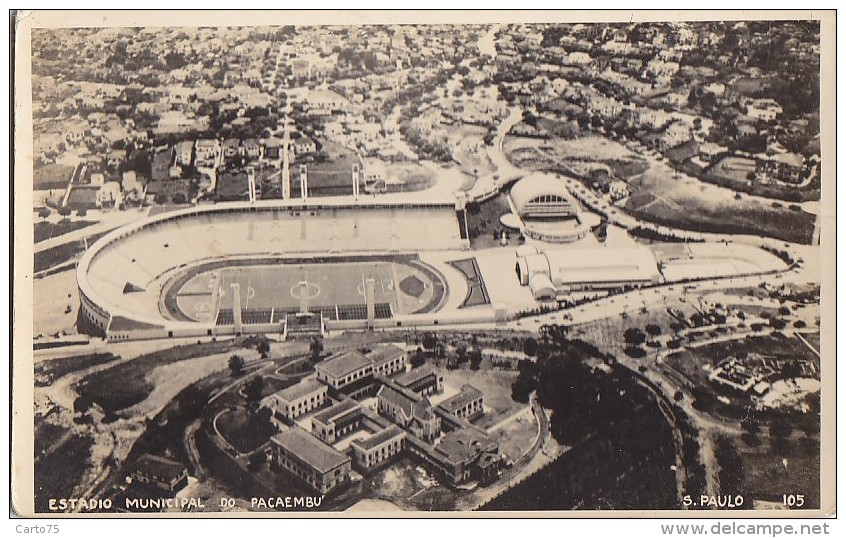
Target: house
(786, 167)
(326, 100)
(708, 151)
(366, 131)
(676, 134)
(763, 109)
(618, 190)
(311, 460)
(291, 402)
(206, 152)
(184, 152)
(745, 130)
(129, 181)
(272, 148)
(116, 157)
(251, 149)
(304, 146)
(466, 454)
(109, 194)
(231, 148)
(160, 473)
(75, 133)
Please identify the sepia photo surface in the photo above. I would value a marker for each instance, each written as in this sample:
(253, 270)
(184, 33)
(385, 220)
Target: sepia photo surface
(375, 263)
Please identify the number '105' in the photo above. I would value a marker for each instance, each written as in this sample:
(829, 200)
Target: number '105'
(793, 501)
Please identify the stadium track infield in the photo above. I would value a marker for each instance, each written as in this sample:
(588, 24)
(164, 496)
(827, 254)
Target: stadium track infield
(198, 293)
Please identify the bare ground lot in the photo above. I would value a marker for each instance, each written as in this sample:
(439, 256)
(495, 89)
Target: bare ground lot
(468, 149)
(690, 204)
(690, 362)
(51, 176)
(130, 383)
(494, 384)
(52, 295)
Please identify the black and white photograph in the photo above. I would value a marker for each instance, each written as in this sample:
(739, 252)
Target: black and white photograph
(374, 263)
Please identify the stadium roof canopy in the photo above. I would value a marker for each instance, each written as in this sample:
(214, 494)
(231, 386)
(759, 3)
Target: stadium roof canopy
(544, 189)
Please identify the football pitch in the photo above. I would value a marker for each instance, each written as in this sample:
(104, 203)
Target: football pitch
(275, 287)
(327, 284)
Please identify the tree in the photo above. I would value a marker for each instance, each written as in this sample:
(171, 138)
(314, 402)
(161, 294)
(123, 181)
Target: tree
(418, 359)
(703, 400)
(430, 340)
(634, 336)
(253, 390)
(475, 359)
(236, 365)
(82, 404)
(44, 212)
(316, 348)
(653, 330)
(257, 459)
(777, 323)
(192, 401)
(530, 347)
(264, 415)
(263, 348)
(791, 369)
(676, 326)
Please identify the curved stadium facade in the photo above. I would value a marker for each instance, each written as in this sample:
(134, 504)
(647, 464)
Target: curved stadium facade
(123, 277)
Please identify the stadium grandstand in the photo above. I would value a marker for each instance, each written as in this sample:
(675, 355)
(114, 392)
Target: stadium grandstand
(547, 211)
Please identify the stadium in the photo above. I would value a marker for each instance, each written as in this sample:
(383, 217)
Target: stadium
(300, 267)
(260, 267)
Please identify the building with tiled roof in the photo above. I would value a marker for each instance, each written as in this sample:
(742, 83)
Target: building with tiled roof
(468, 403)
(379, 447)
(298, 399)
(424, 380)
(338, 421)
(344, 369)
(311, 460)
(387, 360)
(161, 473)
(409, 410)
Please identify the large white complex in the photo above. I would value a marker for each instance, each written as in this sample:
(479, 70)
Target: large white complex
(558, 271)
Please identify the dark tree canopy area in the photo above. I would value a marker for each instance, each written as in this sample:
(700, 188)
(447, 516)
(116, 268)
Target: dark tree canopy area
(582, 397)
